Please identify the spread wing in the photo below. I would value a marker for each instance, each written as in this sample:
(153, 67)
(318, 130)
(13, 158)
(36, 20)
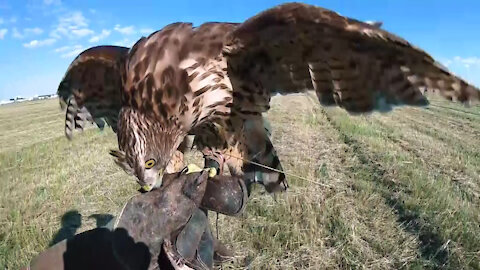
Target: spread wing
(351, 64)
(92, 88)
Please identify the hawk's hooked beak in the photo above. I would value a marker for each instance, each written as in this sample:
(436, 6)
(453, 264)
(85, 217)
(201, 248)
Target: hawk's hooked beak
(157, 183)
(144, 189)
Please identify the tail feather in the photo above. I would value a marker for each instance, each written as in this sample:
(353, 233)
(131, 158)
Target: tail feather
(76, 118)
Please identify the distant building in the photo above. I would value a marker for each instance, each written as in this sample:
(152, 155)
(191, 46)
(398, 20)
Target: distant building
(40, 97)
(22, 99)
(45, 96)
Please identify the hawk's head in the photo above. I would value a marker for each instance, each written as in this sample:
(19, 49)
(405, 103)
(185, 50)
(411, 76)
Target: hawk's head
(146, 146)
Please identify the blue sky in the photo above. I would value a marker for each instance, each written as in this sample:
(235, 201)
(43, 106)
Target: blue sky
(39, 38)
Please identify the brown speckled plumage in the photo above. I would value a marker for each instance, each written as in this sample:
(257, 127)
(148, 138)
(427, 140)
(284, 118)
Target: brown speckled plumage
(220, 76)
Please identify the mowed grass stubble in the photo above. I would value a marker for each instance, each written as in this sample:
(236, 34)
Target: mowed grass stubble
(400, 190)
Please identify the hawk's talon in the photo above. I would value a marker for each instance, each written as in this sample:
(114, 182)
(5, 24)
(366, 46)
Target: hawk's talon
(213, 160)
(193, 168)
(212, 172)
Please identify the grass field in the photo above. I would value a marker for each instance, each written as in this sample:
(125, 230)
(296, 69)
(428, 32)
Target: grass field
(396, 191)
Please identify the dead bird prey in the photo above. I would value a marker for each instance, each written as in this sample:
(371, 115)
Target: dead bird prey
(216, 80)
(160, 229)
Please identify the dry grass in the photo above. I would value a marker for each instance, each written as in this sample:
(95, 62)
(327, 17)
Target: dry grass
(403, 189)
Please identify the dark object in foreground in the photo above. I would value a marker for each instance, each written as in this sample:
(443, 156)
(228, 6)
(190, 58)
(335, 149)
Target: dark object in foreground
(161, 229)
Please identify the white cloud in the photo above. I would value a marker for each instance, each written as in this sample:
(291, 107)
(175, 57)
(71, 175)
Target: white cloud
(11, 20)
(34, 31)
(458, 61)
(76, 19)
(146, 31)
(71, 25)
(26, 32)
(69, 51)
(466, 67)
(468, 60)
(3, 32)
(125, 42)
(17, 34)
(62, 49)
(56, 33)
(105, 33)
(127, 30)
(39, 43)
(73, 52)
(52, 2)
(82, 32)
(446, 63)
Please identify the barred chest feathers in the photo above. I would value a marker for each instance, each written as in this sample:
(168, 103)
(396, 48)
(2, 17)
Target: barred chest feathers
(211, 90)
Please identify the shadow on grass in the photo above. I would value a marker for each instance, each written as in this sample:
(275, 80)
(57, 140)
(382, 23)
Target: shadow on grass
(101, 219)
(431, 242)
(98, 249)
(71, 221)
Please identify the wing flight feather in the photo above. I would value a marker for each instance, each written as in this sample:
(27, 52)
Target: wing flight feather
(355, 65)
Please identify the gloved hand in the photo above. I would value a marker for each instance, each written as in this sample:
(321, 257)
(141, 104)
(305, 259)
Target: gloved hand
(165, 227)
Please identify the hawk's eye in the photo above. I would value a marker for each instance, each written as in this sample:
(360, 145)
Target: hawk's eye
(150, 163)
